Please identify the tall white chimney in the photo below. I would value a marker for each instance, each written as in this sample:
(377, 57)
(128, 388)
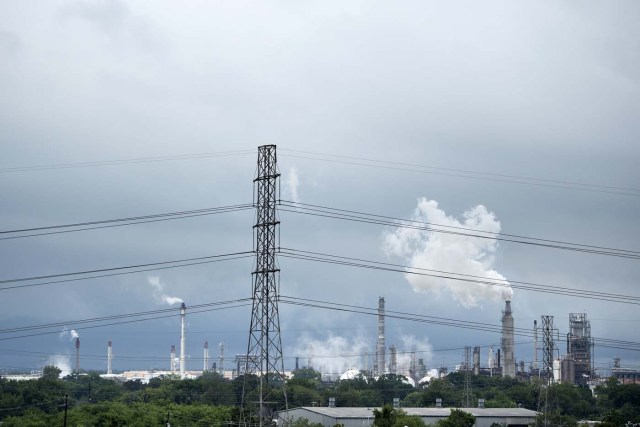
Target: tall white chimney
(172, 361)
(380, 347)
(183, 310)
(109, 358)
(206, 357)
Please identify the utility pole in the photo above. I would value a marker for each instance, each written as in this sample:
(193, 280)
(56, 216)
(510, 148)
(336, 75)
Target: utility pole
(66, 404)
(264, 351)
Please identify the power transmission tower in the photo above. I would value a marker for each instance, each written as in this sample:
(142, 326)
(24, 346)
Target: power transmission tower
(264, 351)
(546, 398)
(467, 398)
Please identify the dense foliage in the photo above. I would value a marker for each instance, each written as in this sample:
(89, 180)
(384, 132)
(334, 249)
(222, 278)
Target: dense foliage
(213, 400)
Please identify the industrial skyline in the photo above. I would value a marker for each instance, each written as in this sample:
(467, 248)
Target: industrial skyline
(516, 121)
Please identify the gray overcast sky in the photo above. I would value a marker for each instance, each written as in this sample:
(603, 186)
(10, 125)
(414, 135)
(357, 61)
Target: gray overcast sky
(548, 90)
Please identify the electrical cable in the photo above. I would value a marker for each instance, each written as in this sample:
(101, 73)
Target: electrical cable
(126, 161)
(368, 218)
(397, 268)
(121, 222)
(156, 265)
(191, 311)
(460, 173)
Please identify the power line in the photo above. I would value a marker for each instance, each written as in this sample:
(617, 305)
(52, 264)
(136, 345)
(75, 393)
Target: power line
(124, 273)
(397, 268)
(125, 161)
(152, 264)
(368, 218)
(461, 173)
(193, 310)
(121, 222)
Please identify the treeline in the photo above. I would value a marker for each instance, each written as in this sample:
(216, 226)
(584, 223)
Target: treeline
(213, 400)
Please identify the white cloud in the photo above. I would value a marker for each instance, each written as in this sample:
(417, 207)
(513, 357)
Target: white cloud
(451, 253)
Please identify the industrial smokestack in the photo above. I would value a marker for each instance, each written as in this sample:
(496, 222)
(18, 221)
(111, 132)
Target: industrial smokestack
(393, 362)
(509, 364)
(206, 356)
(490, 361)
(183, 310)
(77, 354)
(221, 359)
(109, 358)
(476, 360)
(172, 361)
(380, 348)
(535, 344)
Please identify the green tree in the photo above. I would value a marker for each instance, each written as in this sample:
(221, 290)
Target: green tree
(457, 418)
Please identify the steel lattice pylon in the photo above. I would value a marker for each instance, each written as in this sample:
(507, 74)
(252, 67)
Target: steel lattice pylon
(467, 399)
(547, 399)
(264, 351)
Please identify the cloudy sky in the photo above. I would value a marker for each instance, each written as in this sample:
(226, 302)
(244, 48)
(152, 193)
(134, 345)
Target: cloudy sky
(504, 117)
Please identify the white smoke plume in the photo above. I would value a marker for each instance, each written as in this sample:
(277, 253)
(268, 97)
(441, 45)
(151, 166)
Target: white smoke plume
(333, 355)
(73, 334)
(292, 182)
(158, 292)
(451, 253)
(61, 362)
(412, 348)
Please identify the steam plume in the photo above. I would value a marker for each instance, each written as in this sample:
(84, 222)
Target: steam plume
(73, 334)
(450, 252)
(333, 355)
(158, 292)
(292, 182)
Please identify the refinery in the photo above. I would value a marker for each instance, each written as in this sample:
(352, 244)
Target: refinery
(575, 366)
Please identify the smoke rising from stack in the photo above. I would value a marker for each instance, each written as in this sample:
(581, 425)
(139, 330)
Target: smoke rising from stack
(450, 252)
(291, 183)
(73, 334)
(158, 292)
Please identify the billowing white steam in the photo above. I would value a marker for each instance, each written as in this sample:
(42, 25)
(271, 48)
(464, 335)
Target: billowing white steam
(336, 354)
(451, 253)
(412, 348)
(292, 182)
(333, 355)
(61, 362)
(158, 292)
(73, 334)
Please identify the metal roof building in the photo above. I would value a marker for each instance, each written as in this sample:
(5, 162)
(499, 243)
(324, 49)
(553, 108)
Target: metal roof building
(363, 417)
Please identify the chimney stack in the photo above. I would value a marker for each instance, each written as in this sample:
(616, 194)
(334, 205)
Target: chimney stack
(206, 356)
(77, 355)
(509, 363)
(221, 359)
(109, 358)
(172, 361)
(380, 348)
(183, 309)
